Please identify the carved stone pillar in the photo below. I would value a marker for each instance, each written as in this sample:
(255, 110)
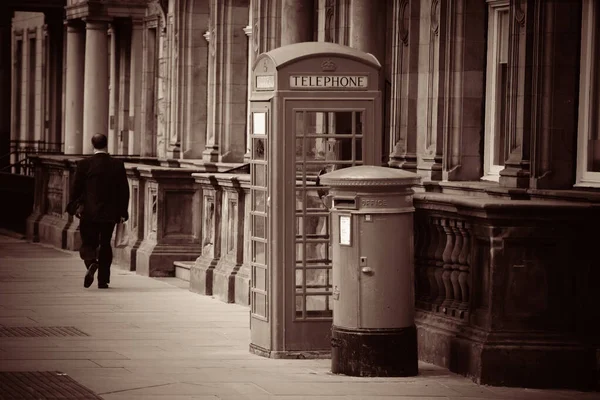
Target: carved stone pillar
(114, 76)
(95, 102)
(135, 92)
(194, 90)
(557, 26)
(464, 70)
(405, 81)
(297, 18)
(74, 89)
(431, 61)
(54, 84)
(520, 61)
(5, 83)
(174, 55)
(434, 238)
(367, 27)
(439, 260)
(124, 48)
(448, 264)
(148, 123)
(227, 82)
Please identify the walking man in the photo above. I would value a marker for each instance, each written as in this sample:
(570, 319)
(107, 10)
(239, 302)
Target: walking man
(99, 198)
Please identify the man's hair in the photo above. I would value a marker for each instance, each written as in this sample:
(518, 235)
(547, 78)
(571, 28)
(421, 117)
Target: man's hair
(99, 141)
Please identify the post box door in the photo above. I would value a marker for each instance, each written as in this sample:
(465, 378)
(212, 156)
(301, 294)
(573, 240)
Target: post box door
(346, 275)
(386, 298)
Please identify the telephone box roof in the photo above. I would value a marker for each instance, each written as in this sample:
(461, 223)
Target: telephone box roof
(285, 54)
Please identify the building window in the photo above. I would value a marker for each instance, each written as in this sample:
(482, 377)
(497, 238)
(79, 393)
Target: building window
(588, 158)
(496, 89)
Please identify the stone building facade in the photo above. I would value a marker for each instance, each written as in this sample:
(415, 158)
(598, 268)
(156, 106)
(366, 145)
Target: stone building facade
(494, 103)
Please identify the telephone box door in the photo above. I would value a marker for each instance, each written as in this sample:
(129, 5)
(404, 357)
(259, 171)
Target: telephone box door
(325, 136)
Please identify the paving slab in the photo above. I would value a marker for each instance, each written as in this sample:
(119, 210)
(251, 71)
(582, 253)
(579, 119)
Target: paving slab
(152, 339)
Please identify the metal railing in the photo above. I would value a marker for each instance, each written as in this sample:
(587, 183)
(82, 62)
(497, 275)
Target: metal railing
(22, 150)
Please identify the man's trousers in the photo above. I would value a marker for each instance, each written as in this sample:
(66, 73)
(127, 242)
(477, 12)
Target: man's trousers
(95, 246)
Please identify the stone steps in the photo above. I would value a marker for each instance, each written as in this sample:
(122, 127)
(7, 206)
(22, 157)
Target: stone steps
(182, 269)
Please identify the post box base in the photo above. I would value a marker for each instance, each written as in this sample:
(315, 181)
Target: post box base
(374, 352)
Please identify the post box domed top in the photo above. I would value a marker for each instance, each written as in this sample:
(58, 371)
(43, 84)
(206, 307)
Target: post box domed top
(297, 51)
(369, 175)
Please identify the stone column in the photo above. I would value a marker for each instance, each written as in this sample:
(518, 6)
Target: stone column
(405, 81)
(431, 73)
(55, 77)
(297, 17)
(113, 88)
(556, 89)
(74, 89)
(5, 83)
(122, 117)
(227, 82)
(135, 90)
(174, 49)
(464, 81)
(194, 79)
(95, 102)
(520, 61)
(148, 143)
(367, 27)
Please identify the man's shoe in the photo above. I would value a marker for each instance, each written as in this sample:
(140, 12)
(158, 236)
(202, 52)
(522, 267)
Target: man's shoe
(103, 286)
(89, 275)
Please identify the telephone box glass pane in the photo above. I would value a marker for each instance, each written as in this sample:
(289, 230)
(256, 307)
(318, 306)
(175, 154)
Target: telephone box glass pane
(259, 305)
(259, 225)
(259, 200)
(260, 278)
(300, 281)
(258, 252)
(259, 175)
(316, 227)
(316, 203)
(300, 300)
(258, 148)
(325, 141)
(259, 123)
(319, 307)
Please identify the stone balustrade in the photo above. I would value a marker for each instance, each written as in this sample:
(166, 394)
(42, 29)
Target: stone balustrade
(442, 260)
(499, 280)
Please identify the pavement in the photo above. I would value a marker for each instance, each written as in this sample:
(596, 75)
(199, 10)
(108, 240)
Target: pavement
(152, 339)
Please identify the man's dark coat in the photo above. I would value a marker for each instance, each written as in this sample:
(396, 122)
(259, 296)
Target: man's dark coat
(100, 189)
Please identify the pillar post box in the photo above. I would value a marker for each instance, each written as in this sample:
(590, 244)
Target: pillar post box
(373, 332)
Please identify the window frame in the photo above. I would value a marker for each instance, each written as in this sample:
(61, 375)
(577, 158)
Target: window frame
(589, 48)
(491, 171)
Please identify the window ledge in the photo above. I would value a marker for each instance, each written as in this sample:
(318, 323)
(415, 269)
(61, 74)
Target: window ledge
(487, 189)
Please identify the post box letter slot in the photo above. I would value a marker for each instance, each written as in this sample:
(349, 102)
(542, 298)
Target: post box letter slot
(344, 203)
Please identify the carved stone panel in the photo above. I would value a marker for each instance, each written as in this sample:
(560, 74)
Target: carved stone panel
(232, 227)
(133, 204)
(178, 204)
(152, 211)
(208, 224)
(55, 192)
